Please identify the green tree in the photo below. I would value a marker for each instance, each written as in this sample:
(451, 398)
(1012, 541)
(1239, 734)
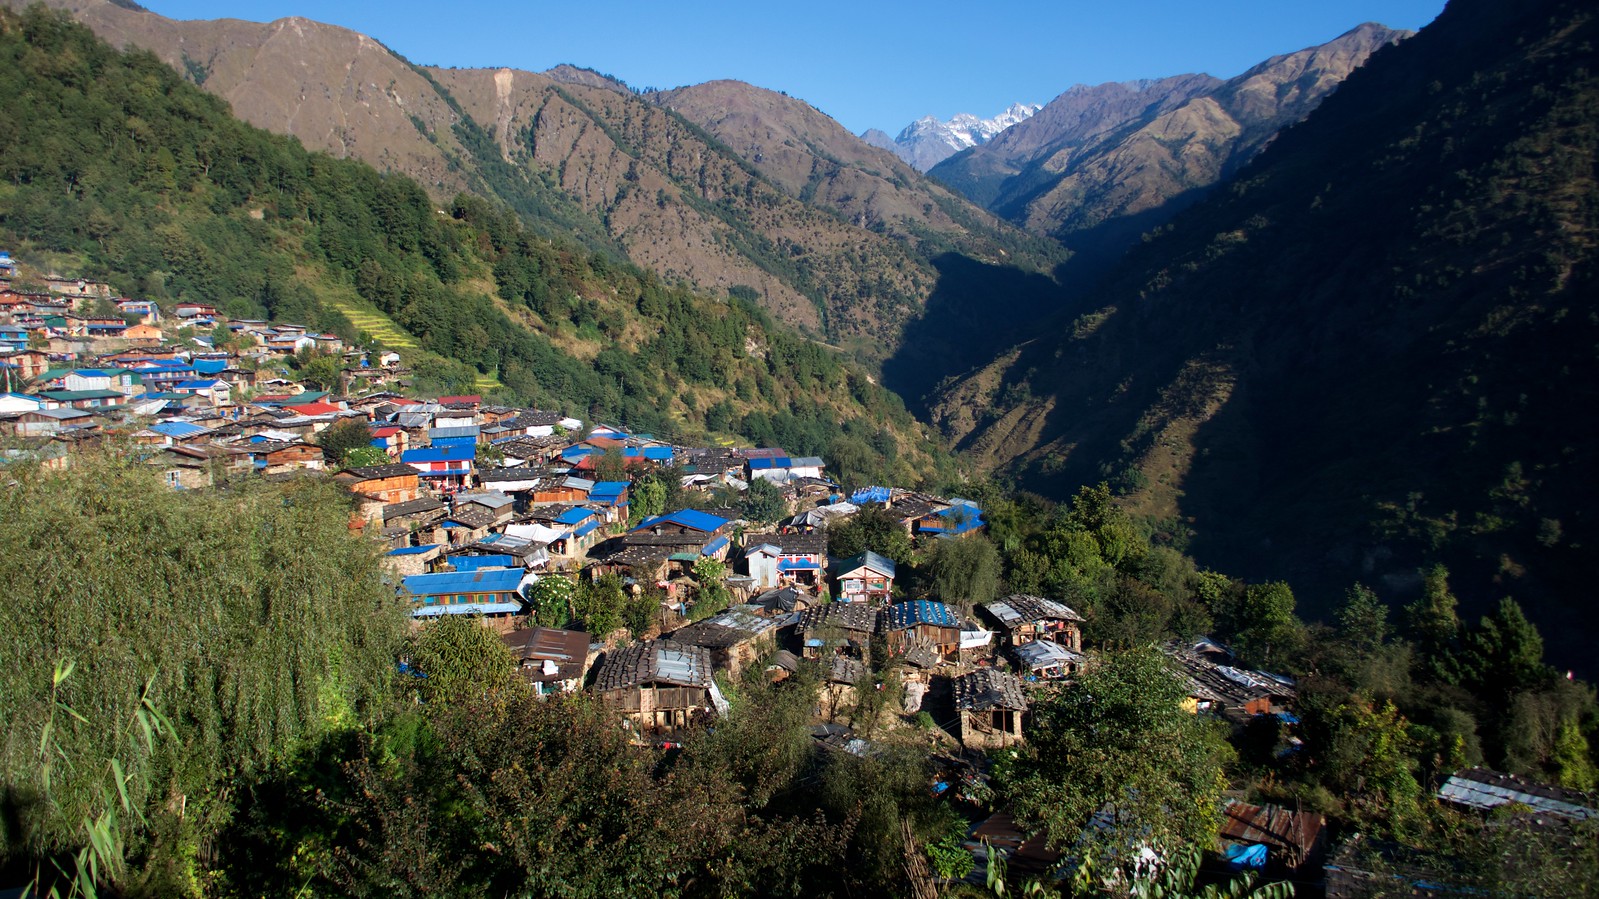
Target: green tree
(461, 661)
(363, 456)
(965, 571)
(251, 617)
(321, 371)
(763, 502)
(872, 528)
(1118, 742)
(610, 465)
(1266, 630)
(552, 600)
(344, 435)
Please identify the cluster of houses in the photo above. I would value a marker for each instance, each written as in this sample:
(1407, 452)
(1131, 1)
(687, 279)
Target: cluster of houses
(473, 503)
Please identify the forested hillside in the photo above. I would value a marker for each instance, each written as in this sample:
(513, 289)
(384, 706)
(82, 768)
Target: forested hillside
(578, 153)
(113, 167)
(1375, 349)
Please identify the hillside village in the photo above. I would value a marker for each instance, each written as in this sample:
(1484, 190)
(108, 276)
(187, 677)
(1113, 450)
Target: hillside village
(715, 560)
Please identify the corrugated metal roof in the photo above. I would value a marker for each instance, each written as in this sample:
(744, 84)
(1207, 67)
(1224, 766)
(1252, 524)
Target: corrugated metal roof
(1482, 789)
(880, 564)
(489, 580)
(714, 546)
(440, 454)
(575, 516)
(689, 518)
(902, 615)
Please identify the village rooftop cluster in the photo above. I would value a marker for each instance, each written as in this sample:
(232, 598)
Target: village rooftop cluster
(474, 504)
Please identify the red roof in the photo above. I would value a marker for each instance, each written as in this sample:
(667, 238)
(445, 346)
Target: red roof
(385, 432)
(471, 398)
(314, 409)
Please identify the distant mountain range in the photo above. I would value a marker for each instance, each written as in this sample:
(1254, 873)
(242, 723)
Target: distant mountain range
(746, 191)
(1099, 165)
(1371, 351)
(926, 142)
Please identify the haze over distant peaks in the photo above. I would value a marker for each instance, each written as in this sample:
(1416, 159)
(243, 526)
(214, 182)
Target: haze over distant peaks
(926, 142)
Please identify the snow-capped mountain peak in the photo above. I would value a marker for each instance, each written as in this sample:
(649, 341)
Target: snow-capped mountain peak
(927, 141)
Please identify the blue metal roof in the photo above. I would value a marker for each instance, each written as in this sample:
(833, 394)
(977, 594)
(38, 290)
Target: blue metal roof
(474, 563)
(210, 366)
(440, 454)
(575, 516)
(689, 518)
(960, 518)
(573, 453)
(586, 529)
(771, 462)
(177, 428)
(198, 384)
(488, 580)
(797, 565)
(658, 453)
(714, 546)
(608, 489)
(902, 615)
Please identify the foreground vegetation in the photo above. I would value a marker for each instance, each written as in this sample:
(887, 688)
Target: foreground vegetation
(203, 700)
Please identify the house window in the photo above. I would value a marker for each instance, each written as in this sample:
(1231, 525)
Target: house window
(172, 479)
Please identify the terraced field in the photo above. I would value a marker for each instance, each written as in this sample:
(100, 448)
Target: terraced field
(377, 324)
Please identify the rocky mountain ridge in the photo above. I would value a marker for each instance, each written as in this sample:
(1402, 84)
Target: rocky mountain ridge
(1099, 165)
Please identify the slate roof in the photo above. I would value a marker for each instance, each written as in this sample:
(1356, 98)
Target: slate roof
(655, 662)
(850, 616)
(473, 516)
(845, 670)
(379, 472)
(730, 628)
(989, 688)
(412, 507)
(1021, 608)
(792, 544)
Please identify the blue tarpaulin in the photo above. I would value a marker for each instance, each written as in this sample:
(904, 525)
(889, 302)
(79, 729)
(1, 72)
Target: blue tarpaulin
(1241, 857)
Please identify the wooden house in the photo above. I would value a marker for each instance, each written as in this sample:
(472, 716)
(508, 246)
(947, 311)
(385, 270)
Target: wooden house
(550, 660)
(660, 685)
(735, 638)
(836, 626)
(489, 592)
(389, 483)
(991, 705)
(1026, 618)
(867, 578)
(777, 559)
(907, 625)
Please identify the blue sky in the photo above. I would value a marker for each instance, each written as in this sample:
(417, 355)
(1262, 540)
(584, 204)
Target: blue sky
(867, 64)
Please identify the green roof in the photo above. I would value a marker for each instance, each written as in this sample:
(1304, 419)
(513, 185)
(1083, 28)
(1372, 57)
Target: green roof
(67, 396)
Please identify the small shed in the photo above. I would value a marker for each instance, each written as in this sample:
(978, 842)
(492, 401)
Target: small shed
(1047, 660)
